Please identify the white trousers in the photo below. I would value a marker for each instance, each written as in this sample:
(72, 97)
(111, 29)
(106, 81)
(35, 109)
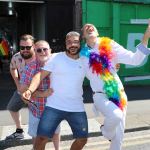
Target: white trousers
(114, 120)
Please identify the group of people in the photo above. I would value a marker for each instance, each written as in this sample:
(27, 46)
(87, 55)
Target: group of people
(23, 66)
(51, 85)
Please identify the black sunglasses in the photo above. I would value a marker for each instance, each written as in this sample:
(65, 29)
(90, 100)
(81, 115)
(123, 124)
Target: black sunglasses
(25, 47)
(39, 50)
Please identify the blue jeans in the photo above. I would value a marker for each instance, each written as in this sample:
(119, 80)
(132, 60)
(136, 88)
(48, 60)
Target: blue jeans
(51, 118)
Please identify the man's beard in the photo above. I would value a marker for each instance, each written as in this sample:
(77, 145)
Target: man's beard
(26, 56)
(77, 52)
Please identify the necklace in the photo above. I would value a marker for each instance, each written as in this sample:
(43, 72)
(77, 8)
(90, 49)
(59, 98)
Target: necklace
(101, 64)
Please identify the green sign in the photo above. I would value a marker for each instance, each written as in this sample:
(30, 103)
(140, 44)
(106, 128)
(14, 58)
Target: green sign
(126, 24)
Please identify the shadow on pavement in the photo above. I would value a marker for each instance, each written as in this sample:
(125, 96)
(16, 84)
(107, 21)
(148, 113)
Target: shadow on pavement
(12, 143)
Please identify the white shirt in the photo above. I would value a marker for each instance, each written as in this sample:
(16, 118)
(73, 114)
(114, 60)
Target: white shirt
(67, 77)
(121, 55)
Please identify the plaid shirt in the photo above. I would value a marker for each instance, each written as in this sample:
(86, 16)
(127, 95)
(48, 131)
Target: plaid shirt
(26, 77)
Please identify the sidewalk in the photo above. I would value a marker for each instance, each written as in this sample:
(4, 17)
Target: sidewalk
(137, 119)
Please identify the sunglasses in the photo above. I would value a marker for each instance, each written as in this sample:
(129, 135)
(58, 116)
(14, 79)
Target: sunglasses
(25, 47)
(39, 50)
(72, 42)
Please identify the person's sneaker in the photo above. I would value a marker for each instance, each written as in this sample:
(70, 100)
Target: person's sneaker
(14, 136)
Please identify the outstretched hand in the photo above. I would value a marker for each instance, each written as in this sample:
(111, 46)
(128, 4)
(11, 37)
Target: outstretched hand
(26, 95)
(146, 34)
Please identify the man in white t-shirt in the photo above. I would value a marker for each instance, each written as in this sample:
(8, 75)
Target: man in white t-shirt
(67, 73)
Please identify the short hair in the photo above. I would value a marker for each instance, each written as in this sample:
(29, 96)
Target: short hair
(88, 24)
(72, 33)
(25, 37)
(42, 41)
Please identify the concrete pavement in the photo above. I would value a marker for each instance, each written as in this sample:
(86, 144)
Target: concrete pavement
(137, 119)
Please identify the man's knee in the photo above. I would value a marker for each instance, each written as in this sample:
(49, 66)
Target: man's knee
(81, 141)
(40, 142)
(41, 139)
(78, 144)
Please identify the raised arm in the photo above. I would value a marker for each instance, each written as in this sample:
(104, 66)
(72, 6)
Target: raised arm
(125, 56)
(146, 35)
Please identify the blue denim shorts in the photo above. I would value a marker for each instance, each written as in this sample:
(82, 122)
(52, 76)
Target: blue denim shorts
(33, 125)
(51, 118)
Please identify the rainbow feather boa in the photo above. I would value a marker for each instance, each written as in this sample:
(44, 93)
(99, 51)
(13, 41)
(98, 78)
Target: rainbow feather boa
(101, 64)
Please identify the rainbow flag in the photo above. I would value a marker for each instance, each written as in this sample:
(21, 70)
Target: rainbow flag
(4, 48)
